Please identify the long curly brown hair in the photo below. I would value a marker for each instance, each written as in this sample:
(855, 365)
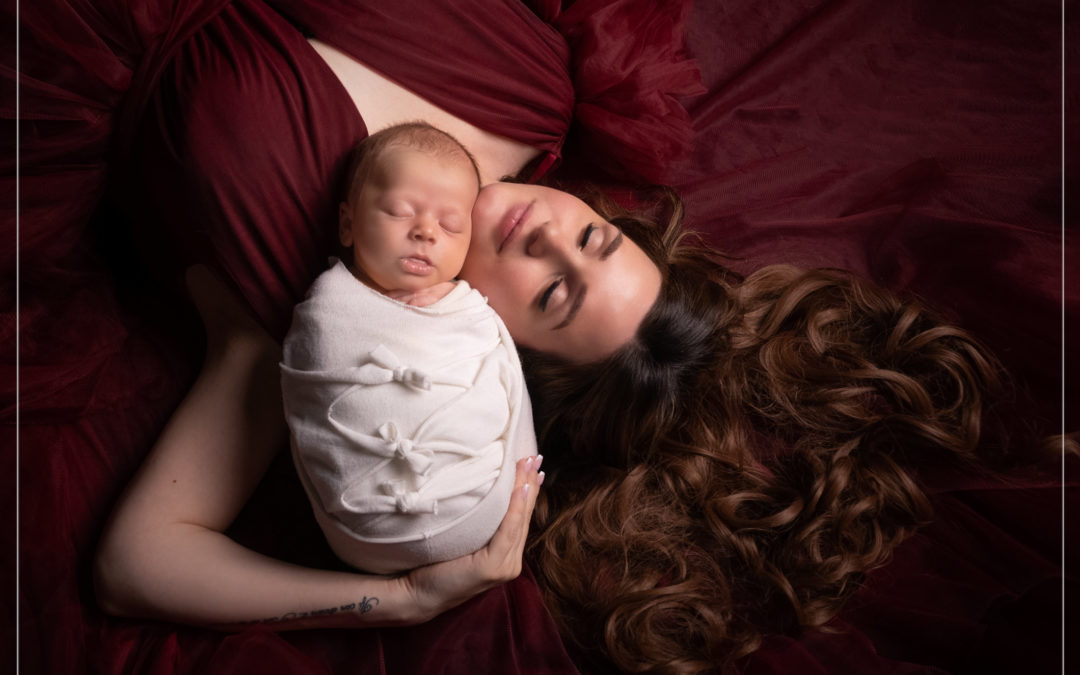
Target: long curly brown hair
(740, 466)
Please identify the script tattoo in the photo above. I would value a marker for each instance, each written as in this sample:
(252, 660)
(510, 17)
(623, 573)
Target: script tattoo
(364, 606)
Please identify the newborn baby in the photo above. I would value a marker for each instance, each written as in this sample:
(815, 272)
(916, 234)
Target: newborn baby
(402, 388)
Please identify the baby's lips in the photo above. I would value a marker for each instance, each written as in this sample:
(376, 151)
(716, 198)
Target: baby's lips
(417, 265)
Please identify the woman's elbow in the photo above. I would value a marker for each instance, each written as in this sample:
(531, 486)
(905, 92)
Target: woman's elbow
(116, 575)
(108, 586)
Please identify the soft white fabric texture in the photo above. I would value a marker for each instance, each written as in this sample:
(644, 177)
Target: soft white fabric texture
(405, 422)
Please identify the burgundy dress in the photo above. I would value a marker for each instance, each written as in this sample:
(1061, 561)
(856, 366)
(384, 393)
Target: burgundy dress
(241, 144)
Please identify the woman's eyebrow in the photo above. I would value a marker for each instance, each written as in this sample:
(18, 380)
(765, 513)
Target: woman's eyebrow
(574, 306)
(611, 248)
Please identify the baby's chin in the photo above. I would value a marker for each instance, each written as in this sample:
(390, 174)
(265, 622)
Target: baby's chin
(409, 276)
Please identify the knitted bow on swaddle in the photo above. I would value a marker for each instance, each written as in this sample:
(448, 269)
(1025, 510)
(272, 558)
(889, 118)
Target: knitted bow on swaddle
(405, 422)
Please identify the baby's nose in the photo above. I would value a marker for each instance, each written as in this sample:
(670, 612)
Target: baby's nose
(424, 228)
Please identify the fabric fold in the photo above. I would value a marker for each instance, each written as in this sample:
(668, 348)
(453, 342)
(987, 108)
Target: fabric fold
(628, 92)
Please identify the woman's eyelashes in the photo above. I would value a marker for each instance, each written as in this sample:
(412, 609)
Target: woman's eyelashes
(546, 297)
(589, 229)
(557, 289)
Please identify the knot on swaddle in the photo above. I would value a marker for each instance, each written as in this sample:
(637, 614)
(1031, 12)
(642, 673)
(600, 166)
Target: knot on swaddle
(407, 501)
(396, 497)
(385, 367)
(395, 445)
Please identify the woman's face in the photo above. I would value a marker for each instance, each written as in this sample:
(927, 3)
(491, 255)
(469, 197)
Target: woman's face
(564, 280)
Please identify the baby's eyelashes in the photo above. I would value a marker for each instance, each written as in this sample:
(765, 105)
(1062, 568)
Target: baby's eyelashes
(453, 224)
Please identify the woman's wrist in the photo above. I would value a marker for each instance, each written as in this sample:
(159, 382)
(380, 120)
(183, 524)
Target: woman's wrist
(384, 601)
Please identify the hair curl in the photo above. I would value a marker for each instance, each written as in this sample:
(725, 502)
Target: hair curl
(739, 467)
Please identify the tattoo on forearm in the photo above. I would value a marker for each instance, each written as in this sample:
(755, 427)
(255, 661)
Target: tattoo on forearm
(364, 606)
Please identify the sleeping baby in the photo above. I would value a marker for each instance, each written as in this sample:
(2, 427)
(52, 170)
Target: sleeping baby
(403, 391)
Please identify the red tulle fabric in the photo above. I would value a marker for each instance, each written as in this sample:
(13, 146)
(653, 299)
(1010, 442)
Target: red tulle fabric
(916, 142)
(630, 78)
(614, 67)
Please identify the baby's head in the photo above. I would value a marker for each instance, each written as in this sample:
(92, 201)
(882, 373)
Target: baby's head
(407, 212)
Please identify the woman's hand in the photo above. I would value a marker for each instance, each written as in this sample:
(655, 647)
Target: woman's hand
(439, 587)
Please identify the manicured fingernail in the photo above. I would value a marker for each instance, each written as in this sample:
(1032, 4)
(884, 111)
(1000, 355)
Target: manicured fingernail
(540, 478)
(529, 463)
(525, 489)
(539, 461)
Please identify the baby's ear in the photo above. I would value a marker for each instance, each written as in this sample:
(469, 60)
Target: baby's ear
(345, 225)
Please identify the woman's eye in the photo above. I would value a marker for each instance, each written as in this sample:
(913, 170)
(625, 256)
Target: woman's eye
(546, 297)
(589, 229)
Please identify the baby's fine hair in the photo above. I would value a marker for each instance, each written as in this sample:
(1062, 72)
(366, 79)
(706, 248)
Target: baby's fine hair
(419, 136)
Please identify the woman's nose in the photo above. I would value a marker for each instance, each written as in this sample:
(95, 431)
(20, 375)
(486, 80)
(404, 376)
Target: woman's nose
(546, 239)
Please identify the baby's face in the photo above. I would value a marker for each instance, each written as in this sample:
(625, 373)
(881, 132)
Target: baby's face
(411, 222)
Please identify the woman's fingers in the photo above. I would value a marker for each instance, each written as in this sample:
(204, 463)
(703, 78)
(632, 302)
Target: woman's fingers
(508, 545)
(529, 492)
(438, 587)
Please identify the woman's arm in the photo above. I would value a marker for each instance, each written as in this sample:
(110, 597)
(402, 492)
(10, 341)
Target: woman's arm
(164, 554)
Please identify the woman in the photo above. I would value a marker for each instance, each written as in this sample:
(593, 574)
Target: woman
(165, 549)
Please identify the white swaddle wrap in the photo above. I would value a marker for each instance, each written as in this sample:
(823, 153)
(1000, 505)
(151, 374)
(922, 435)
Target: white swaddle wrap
(405, 422)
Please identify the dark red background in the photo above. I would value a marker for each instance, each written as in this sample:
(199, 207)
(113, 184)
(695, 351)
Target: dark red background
(915, 141)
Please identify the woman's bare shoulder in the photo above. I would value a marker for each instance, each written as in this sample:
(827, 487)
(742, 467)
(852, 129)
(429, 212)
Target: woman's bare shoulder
(383, 102)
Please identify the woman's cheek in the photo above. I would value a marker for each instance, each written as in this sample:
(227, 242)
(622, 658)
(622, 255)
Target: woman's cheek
(498, 303)
(508, 310)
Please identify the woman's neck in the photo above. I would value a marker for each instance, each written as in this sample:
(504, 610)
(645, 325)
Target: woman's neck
(383, 103)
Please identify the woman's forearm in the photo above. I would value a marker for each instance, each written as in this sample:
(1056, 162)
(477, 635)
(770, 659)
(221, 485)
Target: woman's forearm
(164, 554)
(189, 574)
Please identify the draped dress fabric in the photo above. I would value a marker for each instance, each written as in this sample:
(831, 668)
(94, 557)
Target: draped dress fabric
(240, 148)
(242, 145)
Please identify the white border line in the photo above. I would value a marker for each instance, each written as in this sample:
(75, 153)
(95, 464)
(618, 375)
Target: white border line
(17, 324)
(1063, 288)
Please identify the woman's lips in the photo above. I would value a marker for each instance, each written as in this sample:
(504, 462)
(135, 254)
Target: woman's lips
(510, 224)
